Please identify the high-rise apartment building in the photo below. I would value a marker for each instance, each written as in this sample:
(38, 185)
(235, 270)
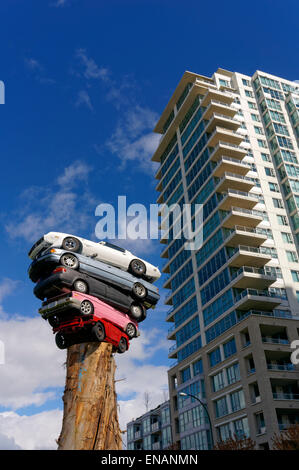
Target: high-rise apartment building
(151, 431)
(230, 142)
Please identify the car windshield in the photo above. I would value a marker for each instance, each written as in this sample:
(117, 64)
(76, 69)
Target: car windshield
(114, 247)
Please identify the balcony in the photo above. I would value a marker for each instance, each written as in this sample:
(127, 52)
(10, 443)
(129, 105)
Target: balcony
(231, 150)
(252, 299)
(218, 107)
(215, 94)
(156, 446)
(250, 277)
(155, 426)
(231, 165)
(249, 255)
(273, 340)
(234, 181)
(285, 396)
(137, 436)
(220, 133)
(239, 215)
(242, 235)
(217, 119)
(281, 367)
(172, 352)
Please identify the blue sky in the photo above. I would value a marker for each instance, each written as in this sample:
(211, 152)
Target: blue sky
(85, 83)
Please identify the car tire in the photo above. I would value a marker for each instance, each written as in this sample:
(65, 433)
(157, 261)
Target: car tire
(81, 286)
(86, 307)
(139, 290)
(138, 312)
(71, 244)
(98, 331)
(61, 341)
(122, 345)
(69, 261)
(137, 267)
(131, 330)
(54, 321)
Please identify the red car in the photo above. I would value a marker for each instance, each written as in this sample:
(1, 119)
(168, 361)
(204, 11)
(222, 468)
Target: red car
(76, 316)
(76, 330)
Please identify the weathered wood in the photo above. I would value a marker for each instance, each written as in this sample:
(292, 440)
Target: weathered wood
(90, 420)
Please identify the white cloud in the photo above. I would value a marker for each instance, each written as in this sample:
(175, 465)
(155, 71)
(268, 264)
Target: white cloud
(55, 207)
(132, 141)
(83, 99)
(34, 432)
(91, 69)
(33, 364)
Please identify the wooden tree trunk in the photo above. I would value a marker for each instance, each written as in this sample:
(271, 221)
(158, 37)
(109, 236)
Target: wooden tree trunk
(90, 420)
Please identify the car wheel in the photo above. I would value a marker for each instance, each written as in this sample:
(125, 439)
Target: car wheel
(81, 286)
(98, 331)
(122, 345)
(61, 341)
(86, 307)
(53, 321)
(131, 330)
(69, 261)
(71, 244)
(139, 290)
(137, 267)
(137, 312)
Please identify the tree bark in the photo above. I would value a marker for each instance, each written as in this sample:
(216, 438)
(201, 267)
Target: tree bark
(90, 420)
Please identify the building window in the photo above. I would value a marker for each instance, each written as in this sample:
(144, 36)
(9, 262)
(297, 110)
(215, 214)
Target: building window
(282, 220)
(224, 432)
(255, 117)
(274, 187)
(277, 203)
(147, 442)
(215, 357)
(230, 348)
(165, 415)
(233, 373)
(251, 105)
(241, 428)
(221, 408)
(258, 130)
(262, 143)
(185, 374)
(237, 400)
(287, 237)
(218, 381)
(295, 276)
(245, 82)
(270, 172)
(166, 437)
(266, 157)
(197, 367)
(292, 256)
(146, 425)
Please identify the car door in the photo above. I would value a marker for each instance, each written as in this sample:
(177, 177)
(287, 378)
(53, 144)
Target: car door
(112, 254)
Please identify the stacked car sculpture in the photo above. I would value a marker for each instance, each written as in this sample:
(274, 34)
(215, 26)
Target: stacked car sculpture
(91, 291)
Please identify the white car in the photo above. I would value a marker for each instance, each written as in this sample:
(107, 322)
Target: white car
(103, 251)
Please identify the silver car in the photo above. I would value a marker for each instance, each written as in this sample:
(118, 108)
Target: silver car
(139, 288)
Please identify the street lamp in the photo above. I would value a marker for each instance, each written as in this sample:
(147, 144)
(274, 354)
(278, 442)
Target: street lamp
(183, 394)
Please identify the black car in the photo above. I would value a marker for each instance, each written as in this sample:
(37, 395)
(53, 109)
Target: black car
(63, 279)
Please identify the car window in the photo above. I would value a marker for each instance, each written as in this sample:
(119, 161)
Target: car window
(114, 247)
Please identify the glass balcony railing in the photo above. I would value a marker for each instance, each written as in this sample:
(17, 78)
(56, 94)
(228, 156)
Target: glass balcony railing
(259, 293)
(285, 396)
(251, 269)
(269, 339)
(282, 367)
